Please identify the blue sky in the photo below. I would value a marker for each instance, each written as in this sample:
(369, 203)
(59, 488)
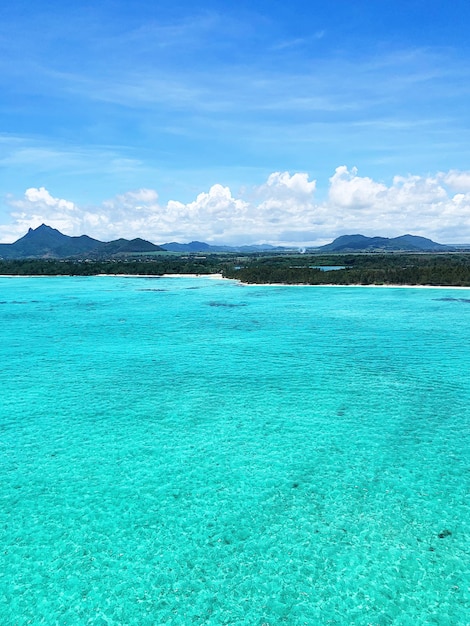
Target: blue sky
(229, 122)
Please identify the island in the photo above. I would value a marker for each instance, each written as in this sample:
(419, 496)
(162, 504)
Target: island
(348, 260)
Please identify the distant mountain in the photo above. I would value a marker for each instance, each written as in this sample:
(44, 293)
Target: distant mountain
(124, 246)
(405, 243)
(193, 246)
(199, 246)
(46, 242)
(345, 243)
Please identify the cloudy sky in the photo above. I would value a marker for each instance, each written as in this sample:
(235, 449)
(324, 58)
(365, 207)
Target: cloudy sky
(235, 122)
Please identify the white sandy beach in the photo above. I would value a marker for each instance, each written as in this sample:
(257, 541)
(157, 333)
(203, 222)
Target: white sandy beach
(349, 285)
(241, 283)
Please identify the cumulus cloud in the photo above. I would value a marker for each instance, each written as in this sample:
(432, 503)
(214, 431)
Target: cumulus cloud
(39, 206)
(41, 195)
(421, 205)
(298, 184)
(459, 181)
(349, 190)
(284, 209)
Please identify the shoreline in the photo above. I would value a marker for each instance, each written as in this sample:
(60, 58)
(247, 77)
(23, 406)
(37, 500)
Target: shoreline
(219, 276)
(354, 285)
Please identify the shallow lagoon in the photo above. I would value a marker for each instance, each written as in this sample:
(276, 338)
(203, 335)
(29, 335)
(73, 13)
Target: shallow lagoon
(195, 451)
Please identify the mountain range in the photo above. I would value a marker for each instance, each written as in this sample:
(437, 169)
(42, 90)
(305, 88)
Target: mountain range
(360, 243)
(46, 242)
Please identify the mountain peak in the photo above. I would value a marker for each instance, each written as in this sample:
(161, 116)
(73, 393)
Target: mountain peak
(413, 243)
(47, 242)
(44, 227)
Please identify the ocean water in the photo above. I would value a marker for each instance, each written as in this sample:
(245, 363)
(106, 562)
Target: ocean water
(192, 451)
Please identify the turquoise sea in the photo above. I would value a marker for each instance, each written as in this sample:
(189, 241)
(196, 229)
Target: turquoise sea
(193, 451)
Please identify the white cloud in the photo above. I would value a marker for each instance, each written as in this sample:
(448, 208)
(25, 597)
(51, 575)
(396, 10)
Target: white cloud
(348, 190)
(282, 210)
(37, 207)
(458, 181)
(297, 183)
(42, 196)
(411, 204)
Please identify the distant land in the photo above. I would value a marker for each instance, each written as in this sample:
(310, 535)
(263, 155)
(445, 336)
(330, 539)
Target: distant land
(348, 260)
(200, 246)
(405, 243)
(45, 242)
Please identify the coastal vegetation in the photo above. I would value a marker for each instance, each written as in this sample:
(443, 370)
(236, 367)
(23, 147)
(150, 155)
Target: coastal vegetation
(359, 269)
(72, 267)
(447, 269)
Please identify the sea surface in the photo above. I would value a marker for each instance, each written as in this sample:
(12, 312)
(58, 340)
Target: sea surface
(193, 451)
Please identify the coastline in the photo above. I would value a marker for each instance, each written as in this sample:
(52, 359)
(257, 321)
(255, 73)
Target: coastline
(219, 276)
(213, 276)
(388, 286)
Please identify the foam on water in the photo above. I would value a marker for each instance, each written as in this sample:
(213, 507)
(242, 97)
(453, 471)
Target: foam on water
(194, 451)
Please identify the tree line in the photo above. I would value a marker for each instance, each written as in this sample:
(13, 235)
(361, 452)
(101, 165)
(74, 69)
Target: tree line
(54, 267)
(362, 269)
(359, 269)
